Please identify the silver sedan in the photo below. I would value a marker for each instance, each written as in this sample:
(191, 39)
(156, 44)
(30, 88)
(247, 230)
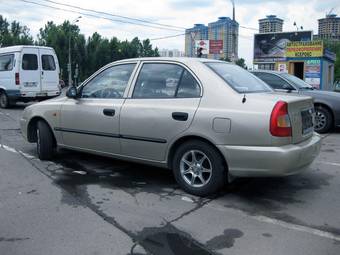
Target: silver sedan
(209, 121)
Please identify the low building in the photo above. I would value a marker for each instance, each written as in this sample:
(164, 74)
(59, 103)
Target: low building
(171, 53)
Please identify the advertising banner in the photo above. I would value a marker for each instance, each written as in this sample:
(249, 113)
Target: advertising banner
(204, 44)
(313, 73)
(215, 46)
(271, 47)
(304, 49)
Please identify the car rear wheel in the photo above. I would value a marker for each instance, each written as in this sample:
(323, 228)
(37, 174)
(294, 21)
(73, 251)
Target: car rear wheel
(199, 168)
(4, 100)
(323, 120)
(45, 144)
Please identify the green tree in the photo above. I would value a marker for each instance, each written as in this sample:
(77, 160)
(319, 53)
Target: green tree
(241, 62)
(14, 33)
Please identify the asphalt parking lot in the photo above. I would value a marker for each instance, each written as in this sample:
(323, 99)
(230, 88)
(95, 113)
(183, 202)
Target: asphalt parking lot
(84, 204)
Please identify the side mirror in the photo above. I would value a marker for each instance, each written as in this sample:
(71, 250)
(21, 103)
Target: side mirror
(72, 92)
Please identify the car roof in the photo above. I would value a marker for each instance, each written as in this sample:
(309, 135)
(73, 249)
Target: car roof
(266, 71)
(17, 48)
(173, 59)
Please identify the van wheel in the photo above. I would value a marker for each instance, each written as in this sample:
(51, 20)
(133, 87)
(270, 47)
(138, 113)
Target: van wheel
(323, 120)
(4, 100)
(199, 168)
(45, 144)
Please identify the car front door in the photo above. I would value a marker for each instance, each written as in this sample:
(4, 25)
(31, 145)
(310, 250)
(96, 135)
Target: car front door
(91, 121)
(161, 106)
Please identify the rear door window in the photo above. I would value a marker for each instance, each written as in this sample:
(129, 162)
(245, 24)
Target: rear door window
(48, 63)
(30, 62)
(6, 62)
(163, 80)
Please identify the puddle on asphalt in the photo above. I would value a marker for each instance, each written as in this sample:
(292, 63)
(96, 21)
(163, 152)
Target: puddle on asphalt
(168, 241)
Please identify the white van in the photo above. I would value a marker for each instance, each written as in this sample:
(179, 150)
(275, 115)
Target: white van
(28, 73)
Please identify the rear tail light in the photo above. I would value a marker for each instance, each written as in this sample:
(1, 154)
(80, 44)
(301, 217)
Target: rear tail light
(280, 124)
(17, 79)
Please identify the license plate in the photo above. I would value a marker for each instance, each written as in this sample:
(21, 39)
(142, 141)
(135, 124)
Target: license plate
(41, 94)
(307, 121)
(30, 84)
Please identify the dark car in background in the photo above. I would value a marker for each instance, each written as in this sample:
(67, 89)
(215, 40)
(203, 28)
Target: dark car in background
(327, 103)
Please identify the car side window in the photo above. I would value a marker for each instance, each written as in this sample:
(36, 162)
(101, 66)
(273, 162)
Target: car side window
(30, 62)
(48, 63)
(110, 83)
(157, 81)
(188, 86)
(161, 80)
(274, 81)
(6, 62)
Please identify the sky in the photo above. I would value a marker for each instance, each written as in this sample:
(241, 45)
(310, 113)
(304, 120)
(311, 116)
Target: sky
(176, 14)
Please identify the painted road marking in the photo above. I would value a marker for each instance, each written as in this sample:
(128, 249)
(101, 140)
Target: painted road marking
(328, 163)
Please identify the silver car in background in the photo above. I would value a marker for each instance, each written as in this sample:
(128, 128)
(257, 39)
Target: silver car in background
(208, 121)
(326, 103)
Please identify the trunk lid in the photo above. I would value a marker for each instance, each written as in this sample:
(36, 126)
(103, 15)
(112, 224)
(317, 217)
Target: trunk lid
(301, 114)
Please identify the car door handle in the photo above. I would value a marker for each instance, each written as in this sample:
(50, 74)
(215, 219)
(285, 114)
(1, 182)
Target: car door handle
(109, 112)
(181, 116)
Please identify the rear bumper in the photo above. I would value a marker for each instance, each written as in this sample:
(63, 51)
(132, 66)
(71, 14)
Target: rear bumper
(256, 161)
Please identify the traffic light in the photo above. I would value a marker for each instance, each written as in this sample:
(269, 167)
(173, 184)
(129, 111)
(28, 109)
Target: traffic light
(199, 52)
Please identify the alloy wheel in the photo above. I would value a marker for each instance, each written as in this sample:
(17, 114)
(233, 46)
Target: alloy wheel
(195, 168)
(320, 120)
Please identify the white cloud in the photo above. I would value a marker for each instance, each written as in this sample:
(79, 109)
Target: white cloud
(173, 12)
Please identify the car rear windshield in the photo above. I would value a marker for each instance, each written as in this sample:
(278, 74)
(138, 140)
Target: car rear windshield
(239, 79)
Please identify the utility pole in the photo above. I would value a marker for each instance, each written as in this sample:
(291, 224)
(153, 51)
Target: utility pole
(69, 65)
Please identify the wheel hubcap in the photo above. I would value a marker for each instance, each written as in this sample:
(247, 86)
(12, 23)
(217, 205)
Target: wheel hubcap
(196, 168)
(320, 120)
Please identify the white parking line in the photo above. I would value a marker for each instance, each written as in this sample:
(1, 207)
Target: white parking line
(259, 218)
(296, 227)
(328, 163)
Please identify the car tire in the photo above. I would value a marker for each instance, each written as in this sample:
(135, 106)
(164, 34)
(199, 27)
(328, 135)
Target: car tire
(189, 171)
(4, 100)
(323, 120)
(45, 142)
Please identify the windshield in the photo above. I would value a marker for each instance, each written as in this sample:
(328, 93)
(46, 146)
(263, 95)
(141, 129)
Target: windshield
(296, 81)
(238, 78)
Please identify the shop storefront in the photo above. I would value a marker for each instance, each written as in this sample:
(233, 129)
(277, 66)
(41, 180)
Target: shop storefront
(297, 54)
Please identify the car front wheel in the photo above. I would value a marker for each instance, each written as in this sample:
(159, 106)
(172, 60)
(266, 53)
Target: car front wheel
(323, 120)
(45, 144)
(199, 168)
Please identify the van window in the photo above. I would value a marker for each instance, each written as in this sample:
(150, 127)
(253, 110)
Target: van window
(30, 62)
(48, 63)
(6, 62)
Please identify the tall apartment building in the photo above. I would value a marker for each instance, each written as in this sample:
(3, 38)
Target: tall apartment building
(329, 27)
(198, 32)
(224, 29)
(270, 24)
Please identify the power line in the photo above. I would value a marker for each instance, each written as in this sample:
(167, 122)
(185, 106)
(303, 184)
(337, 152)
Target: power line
(113, 15)
(97, 16)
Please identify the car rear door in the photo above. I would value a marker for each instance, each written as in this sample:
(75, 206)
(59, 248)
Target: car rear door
(161, 106)
(49, 70)
(91, 122)
(29, 71)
